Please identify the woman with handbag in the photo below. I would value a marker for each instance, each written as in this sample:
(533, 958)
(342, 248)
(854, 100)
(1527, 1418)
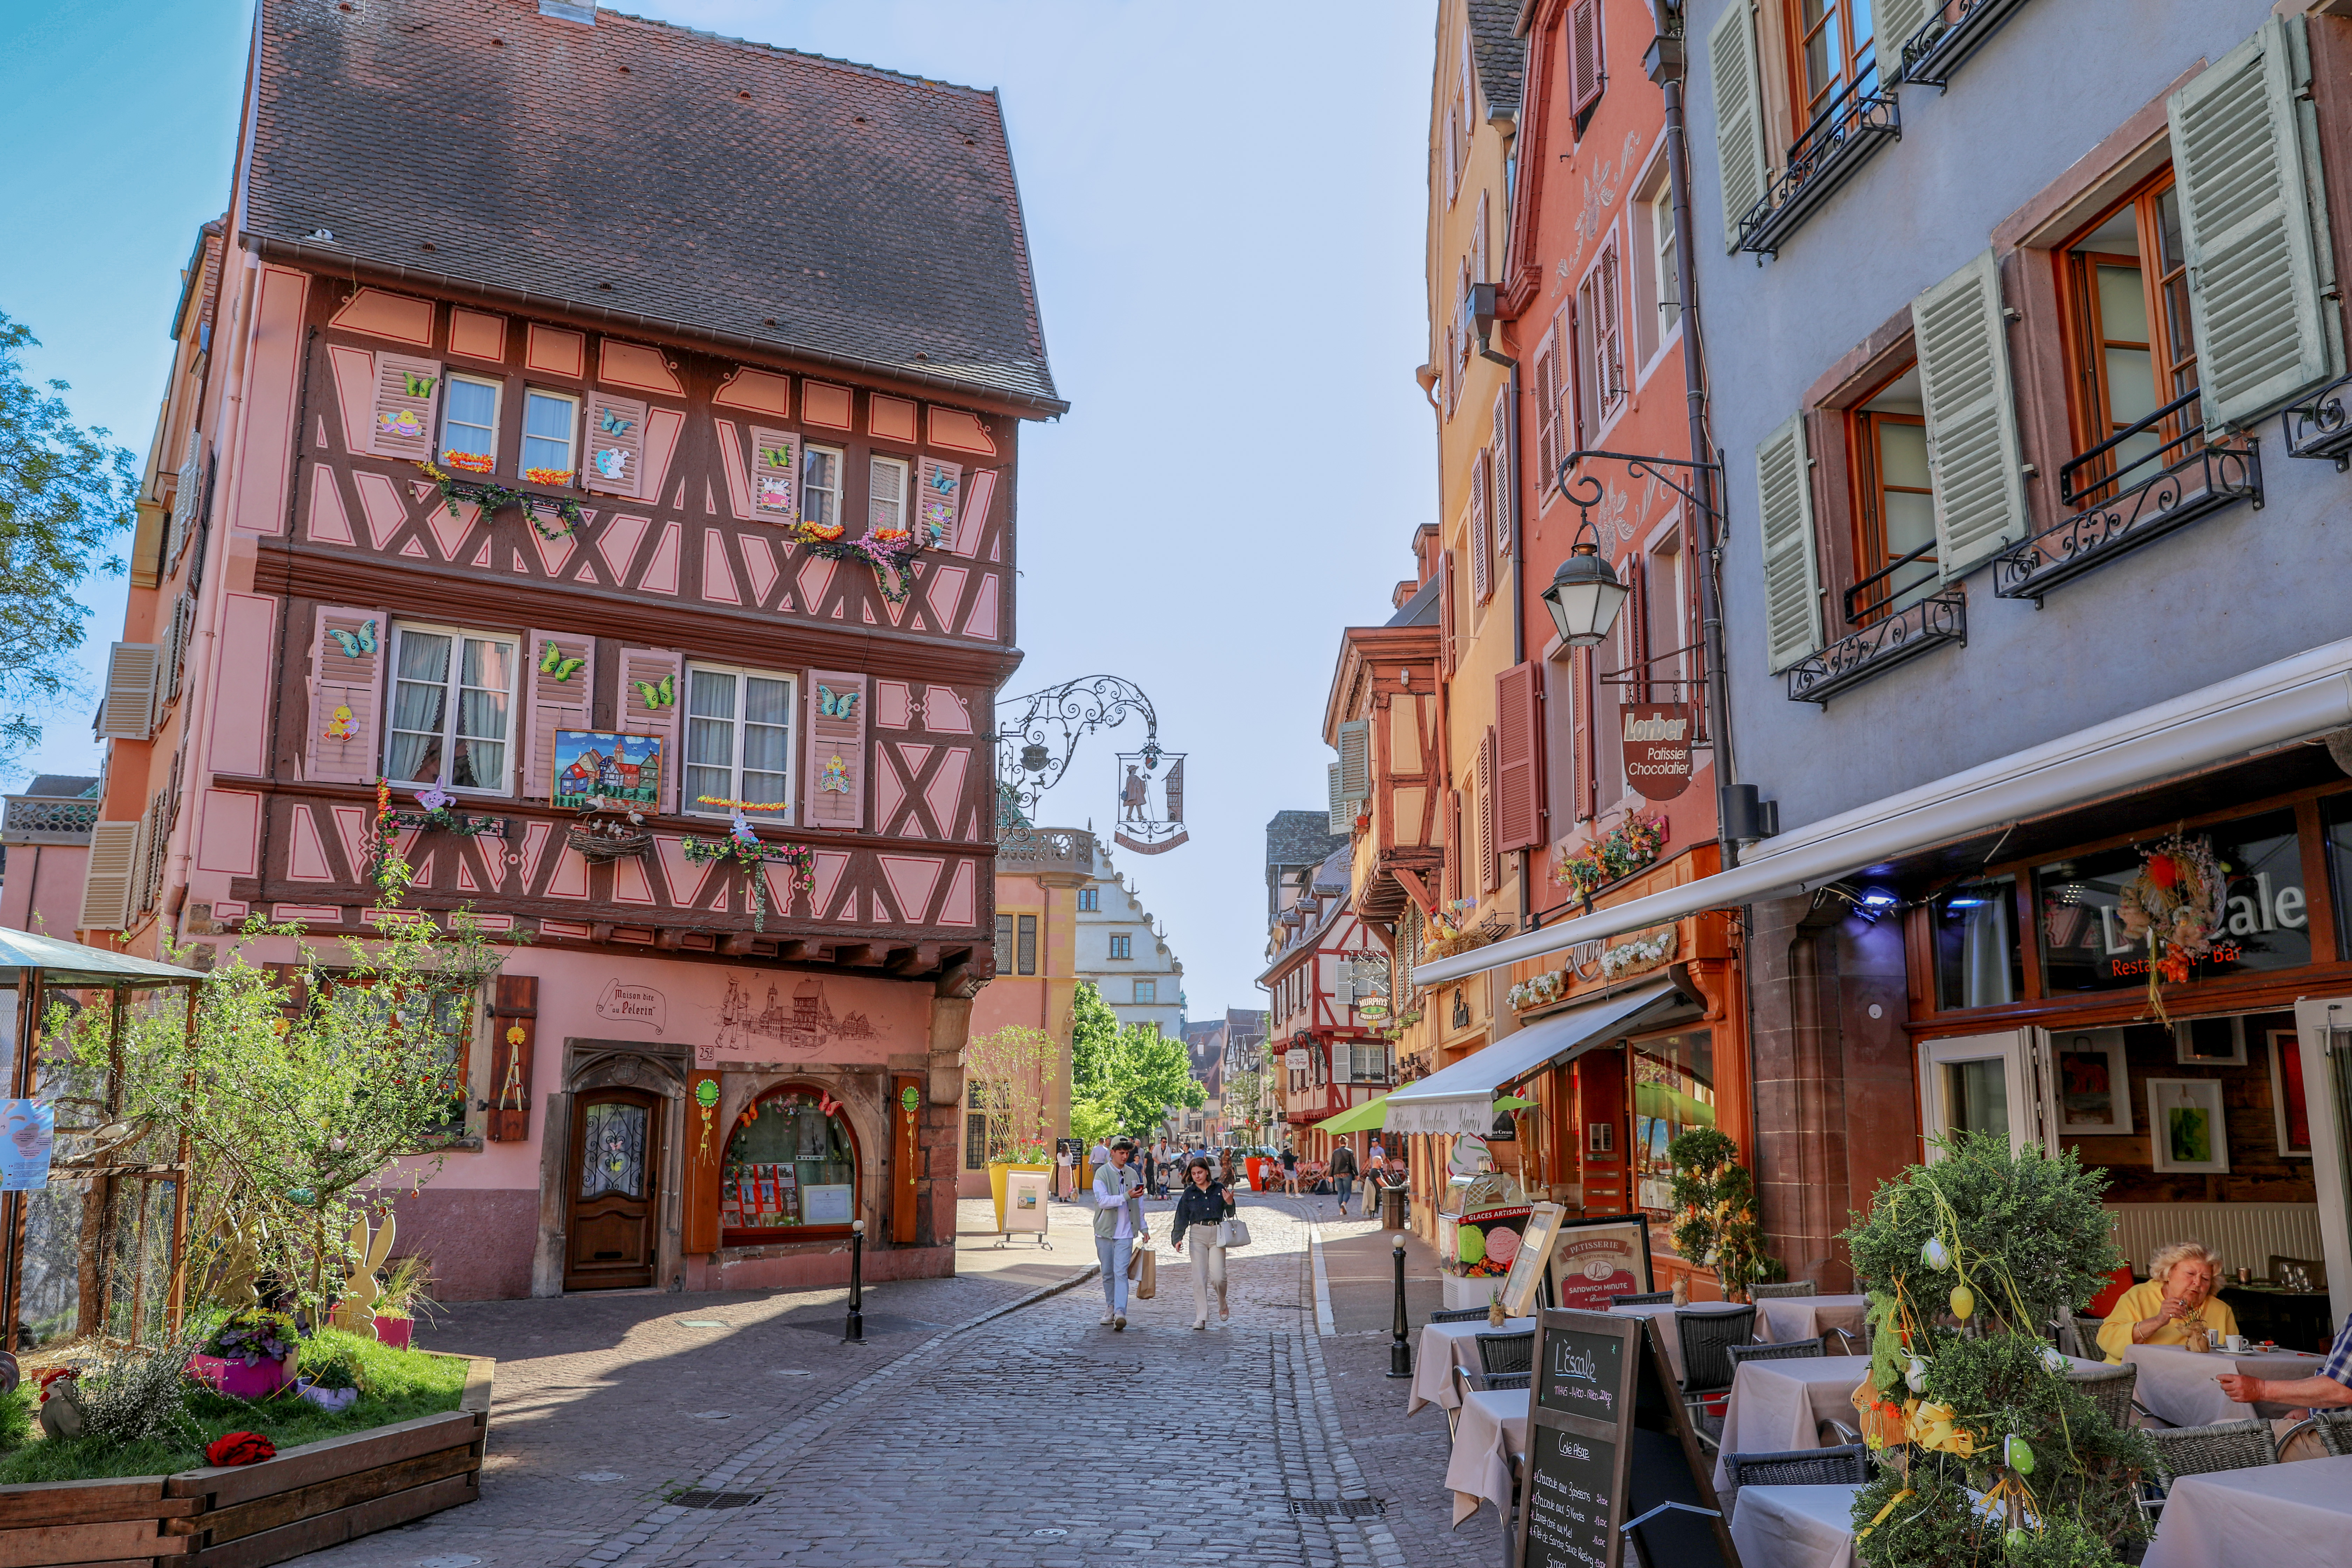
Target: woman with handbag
(1204, 1209)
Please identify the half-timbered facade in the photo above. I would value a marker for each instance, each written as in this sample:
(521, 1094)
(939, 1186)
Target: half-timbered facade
(562, 499)
(1326, 1052)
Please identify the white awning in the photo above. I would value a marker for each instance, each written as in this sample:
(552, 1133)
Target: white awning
(1460, 1098)
(2294, 698)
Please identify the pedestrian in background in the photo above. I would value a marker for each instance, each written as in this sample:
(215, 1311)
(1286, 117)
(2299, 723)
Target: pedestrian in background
(1343, 1174)
(1150, 1172)
(1290, 1170)
(1118, 1225)
(1379, 1156)
(1204, 1204)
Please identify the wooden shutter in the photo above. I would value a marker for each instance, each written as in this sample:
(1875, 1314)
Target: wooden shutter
(1738, 117)
(836, 752)
(128, 712)
(653, 688)
(1518, 754)
(1586, 76)
(1899, 22)
(106, 884)
(186, 496)
(1481, 547)
(564, 704)
(1973, 459)
(515, 1010)
(1489, 877)
(2255, 276)
(407, 389)
(1446, 611)
(1609, 332)
(776, 476)
(1793, 589)
(1343, 815)
(615, 445)
(1458, 853)
(346, 691)
(1356, 759)
(1503, 509)
(1588, 789)
(938, 495)
(1547, 450)
(1478, 273)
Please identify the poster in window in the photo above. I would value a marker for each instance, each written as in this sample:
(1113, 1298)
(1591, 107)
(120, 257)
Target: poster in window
(2188, 1130)
(828, 1204)
(2094, 1087)
(624, 769)
(1597, 1259)
(31, 1132)
(2289, 1107)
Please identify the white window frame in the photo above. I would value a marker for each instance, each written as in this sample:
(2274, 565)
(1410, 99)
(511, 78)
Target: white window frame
(833, 491)
(687, 803)
(2014, 1050)
(1654, 218)
(572, 441)
(454, 689)
(448, 411)
(875, 463)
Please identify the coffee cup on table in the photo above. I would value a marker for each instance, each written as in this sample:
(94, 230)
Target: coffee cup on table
(2234, 1344)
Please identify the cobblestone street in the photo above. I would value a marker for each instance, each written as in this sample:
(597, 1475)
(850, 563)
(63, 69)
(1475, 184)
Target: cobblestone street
(989, 1419)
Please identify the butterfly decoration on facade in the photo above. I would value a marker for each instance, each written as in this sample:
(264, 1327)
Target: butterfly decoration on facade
(611, 461)
(827, 1104)
(613, 424)
(343, 724)
(658, 694)
(776, 458)
(418, 385)
(835, 775)
(942, 482)
(355, 645)
(832, 704)
(553, 662)
(432, 797)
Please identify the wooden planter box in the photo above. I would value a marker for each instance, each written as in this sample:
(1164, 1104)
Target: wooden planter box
(308, 1498)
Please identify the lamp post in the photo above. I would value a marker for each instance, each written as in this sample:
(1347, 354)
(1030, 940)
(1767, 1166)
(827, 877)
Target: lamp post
(1399, 1348)
(1585, 595)
(855, 1332)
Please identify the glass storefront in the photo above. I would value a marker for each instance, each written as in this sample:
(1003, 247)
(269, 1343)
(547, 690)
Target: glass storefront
(2264, 919)
(1674, 1091)
(790, 1166)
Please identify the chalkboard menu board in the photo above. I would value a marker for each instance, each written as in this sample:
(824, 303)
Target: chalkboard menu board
(1611, 1453)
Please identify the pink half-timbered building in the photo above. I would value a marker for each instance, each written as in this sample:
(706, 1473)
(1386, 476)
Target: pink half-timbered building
(1323, 1054)
(599, 428)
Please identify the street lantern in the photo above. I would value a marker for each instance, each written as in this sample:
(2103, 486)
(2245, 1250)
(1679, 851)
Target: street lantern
(1585, 595)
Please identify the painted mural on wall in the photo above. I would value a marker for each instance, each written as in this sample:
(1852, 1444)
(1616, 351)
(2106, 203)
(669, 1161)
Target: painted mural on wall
(805, 1017)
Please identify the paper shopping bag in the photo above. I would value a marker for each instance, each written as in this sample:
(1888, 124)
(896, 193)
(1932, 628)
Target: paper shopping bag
(1143, 1273)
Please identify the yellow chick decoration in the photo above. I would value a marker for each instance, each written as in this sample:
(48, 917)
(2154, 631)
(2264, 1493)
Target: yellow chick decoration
(343, 724)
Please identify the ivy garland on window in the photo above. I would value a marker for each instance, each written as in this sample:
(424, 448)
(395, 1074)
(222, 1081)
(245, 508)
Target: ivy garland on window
(746, 850)
(891, 551)
(490, 497)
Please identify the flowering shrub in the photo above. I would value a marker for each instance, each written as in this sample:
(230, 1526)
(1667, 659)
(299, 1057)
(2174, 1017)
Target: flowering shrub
(472, 462)
(1625, 849)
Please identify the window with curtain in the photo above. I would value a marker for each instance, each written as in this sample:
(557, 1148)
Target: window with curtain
(1894, 515)
(791, 1167)
(550, 424)
(1977, 963)
(469, 420)
(2126, 287)
(886, 495)
(820, 487)
(452, 709)
(739, 741)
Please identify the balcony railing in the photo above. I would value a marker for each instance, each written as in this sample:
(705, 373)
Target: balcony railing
(1024, 850)
(1955, 29)
(2319, 427)
(1849, 129)
(1879, 646)
(46, 819)
(2182, 477)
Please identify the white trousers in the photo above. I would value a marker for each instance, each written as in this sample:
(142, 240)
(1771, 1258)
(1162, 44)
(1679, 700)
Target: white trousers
(1207, 1269)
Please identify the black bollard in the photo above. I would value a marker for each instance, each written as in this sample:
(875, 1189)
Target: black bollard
(1399, 1348)
(856, 1332)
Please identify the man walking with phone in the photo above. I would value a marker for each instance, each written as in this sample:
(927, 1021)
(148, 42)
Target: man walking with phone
(1119, 1226)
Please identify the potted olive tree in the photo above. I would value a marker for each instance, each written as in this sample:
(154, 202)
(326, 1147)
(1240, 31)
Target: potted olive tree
(1009, 1077)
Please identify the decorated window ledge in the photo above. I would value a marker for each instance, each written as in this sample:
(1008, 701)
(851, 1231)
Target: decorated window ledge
(1613, 961)
(552, 516)
(1632, 845)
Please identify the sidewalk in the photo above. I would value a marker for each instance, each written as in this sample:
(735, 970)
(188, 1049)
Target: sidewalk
(1357, 1277)
(1023, 1261)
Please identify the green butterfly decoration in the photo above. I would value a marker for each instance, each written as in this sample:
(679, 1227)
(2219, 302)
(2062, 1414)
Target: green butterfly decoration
(418, 385)
(354, 643)
(832, 704)
(658, 694)
(551, 661)
(613, 424)
(775, 457)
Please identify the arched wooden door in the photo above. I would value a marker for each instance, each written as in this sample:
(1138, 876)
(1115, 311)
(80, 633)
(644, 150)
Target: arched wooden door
(615, 1189)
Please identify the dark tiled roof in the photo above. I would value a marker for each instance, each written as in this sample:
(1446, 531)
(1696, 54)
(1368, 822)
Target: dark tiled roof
(1332, 875)
(61, 786)
(1499, 55)
(653, 171)
(1300, 838)
(1421, 610)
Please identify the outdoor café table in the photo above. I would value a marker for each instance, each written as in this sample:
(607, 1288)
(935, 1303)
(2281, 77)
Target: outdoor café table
(1781, 1318)
(1491, 1434)
(1775, 1405)
(1443, 1347)
(1665, 1311)
(1795, 1527)
(2266, 1517)
(2177, 1384)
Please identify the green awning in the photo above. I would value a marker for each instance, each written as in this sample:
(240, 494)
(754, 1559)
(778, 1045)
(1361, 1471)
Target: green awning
(1369, 1117)
(71, 964)
(1671, 1105)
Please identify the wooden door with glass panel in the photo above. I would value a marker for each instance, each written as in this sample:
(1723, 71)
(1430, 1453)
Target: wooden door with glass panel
(615, 1189)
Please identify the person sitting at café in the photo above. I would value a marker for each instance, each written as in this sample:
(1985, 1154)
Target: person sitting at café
(2176, 1299)
(2331, 1386)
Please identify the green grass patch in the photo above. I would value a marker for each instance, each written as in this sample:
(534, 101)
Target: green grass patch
(400, 1385)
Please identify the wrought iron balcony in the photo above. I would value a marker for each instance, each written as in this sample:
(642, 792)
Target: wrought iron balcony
(2318, 427)
(2185, 477)
(1893, 632)
(1849, 129)
(1953, 31)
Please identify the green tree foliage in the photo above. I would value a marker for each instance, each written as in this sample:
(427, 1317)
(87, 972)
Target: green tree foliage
(64, 492)
(1124, 1079)
(1092, 1029)
(1716, 1221)
(1011, 1073)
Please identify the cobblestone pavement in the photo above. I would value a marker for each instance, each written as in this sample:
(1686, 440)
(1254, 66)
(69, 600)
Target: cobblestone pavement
(962, 1434)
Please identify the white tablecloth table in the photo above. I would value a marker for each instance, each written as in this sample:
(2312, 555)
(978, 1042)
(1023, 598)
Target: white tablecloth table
(1779, 1320)
(1490, 1436)
(1665, 1312)
(1443, 1347)
(2178, 1385)
(1774, 1405)
(2266, 1517)
(1795, 1527)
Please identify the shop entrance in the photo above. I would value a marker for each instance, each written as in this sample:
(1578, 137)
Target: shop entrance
(614, 1189)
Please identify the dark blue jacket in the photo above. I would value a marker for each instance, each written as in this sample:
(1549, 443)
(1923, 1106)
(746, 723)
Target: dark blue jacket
(1198, 1207)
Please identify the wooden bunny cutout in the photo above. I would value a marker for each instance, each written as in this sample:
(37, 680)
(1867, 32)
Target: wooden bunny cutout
(356, 1310)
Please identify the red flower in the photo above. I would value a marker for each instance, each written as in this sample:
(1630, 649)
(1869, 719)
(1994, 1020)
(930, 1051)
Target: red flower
(240, 1449)
(2164, 872)
(53, 1374)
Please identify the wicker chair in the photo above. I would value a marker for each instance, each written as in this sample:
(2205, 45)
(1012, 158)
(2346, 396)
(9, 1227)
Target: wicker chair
(1793, 1288)
(1795, 1350)
(1489, 1383)
(2110, 1389)
(1647, 1299)
(1707, 1369)
(2079, 1335)
(1499, 1353)
(1466, 1315)
(2201, 1450)
(2334, 1426)
(1846, 1466)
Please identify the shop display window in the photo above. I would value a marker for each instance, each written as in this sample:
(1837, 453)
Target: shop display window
(791, 1169)
(1674, 1091)
(2263, 922)
(1978, 959)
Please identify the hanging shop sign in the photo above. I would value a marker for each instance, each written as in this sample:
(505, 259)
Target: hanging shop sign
(1150, 801)
(1657, 742)
(1294, 1058)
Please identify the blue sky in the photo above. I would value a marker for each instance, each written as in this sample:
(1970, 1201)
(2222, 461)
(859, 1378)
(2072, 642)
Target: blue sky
(1225, 205)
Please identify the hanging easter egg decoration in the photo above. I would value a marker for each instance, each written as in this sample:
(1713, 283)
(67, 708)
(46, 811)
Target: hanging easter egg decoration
(1964, 1302)
(2017, 1455)
(2055, 1360)
(1936, 1255)
(1916, 1376)
(2017, 1542)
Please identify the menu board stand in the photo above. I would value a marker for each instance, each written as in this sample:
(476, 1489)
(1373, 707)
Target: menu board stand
(1612, 1456)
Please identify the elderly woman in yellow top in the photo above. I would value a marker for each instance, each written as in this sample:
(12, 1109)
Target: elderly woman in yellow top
(2177, 1297)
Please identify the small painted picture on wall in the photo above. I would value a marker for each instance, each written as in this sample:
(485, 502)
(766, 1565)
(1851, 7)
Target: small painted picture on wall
(2210, 1042)
(624, 769)
(2188, 1133)
(2289, 1107)
(2094, 1091)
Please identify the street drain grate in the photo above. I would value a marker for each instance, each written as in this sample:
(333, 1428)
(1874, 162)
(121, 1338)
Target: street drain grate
(701, 1499)
(1338, 1508)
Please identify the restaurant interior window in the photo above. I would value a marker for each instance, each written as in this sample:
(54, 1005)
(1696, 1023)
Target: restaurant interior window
(1977, 960)
(2264, 919)
(1834, 49)
(452, 709)
(1895, 510)
(2125, 292)
(1674, 1091)
(791, 1167)
(2335, 829)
